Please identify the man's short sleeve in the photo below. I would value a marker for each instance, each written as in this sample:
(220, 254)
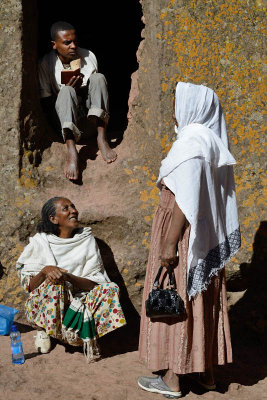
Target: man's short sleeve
(44, 79)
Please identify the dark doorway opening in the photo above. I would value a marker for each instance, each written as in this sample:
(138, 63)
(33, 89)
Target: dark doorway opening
(112, 31)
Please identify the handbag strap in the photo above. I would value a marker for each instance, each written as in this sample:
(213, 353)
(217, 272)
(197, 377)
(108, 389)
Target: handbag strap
(156, 281)
(171, 281)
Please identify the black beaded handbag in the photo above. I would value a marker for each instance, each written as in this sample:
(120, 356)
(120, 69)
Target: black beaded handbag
(162, 303)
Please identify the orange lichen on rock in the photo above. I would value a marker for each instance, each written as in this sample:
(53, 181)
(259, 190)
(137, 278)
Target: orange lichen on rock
(220, 44)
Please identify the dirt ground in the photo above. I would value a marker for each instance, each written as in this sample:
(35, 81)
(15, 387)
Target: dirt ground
(64, 374)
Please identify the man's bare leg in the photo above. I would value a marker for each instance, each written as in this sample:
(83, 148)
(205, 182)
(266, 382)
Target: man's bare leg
(72, 167)
(108, 154)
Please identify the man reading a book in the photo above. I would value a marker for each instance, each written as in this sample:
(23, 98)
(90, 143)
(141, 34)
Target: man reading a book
(69, 81)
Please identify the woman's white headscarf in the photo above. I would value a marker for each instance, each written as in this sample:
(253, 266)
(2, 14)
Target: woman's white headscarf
(199, 104)
(199, 171)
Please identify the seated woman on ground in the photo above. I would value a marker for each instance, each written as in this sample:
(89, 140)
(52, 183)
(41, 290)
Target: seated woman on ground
(62, 270)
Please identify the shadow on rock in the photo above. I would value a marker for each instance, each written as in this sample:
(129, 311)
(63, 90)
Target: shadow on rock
(32, 355)
(2, 271)
(249, 315)
(248, 319)
(23, 328)
(124, 339)
(89, 150)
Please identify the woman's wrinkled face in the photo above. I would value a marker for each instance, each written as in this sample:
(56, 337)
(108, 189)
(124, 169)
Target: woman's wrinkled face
(66, 216)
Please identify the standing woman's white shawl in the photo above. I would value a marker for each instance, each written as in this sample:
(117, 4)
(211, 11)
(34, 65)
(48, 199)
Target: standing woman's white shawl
(79, 255)
(198, 170)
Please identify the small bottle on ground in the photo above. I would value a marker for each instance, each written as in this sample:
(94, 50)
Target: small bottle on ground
(16, 346)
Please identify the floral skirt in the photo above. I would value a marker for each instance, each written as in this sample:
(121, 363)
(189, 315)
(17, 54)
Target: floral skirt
(47, 304)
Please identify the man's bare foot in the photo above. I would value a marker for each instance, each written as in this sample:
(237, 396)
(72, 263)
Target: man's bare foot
(108, 154)
(72, 167)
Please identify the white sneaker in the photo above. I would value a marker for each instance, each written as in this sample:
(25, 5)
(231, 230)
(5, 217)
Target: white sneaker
(42, 342)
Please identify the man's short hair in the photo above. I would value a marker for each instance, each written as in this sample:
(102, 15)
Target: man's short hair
(59, 26)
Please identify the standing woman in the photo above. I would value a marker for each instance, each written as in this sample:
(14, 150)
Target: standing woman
(71, 297)
(197, 215)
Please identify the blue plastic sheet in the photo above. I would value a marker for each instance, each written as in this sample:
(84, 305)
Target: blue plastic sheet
(6, 319)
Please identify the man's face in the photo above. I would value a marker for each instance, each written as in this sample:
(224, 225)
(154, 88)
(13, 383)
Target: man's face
(66, 45)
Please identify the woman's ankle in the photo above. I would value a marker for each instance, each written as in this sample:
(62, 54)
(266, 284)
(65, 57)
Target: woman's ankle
(172, 380)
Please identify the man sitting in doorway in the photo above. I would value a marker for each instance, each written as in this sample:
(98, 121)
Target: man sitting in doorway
(88, 87)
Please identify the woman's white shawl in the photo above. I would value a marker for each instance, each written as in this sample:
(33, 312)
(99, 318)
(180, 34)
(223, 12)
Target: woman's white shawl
(79, 255)
(199, 171)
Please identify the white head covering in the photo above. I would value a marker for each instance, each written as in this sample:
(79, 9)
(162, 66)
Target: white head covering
(199, 104)
(201, 129)
(198, 170)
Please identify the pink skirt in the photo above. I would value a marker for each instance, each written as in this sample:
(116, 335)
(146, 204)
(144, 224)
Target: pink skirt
(202, 338)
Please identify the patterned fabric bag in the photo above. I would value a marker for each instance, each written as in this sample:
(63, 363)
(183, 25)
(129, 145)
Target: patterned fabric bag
(79, 324)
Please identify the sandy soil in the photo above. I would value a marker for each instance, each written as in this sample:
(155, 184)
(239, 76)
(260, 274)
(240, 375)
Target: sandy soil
(64, 374)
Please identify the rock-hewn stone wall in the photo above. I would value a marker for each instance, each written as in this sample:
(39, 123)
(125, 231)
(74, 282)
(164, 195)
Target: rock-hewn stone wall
(217, 43)
(10, 89)
(221, 44)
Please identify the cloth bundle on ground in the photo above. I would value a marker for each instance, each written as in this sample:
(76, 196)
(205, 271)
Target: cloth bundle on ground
(199, 171)
(79, 324)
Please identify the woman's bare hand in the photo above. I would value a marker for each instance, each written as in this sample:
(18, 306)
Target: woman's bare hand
(53, 274)
(168, 254)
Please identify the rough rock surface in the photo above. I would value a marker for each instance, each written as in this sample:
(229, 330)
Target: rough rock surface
(217, 43)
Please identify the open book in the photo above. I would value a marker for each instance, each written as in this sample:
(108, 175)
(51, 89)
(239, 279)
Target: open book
(67, 74)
